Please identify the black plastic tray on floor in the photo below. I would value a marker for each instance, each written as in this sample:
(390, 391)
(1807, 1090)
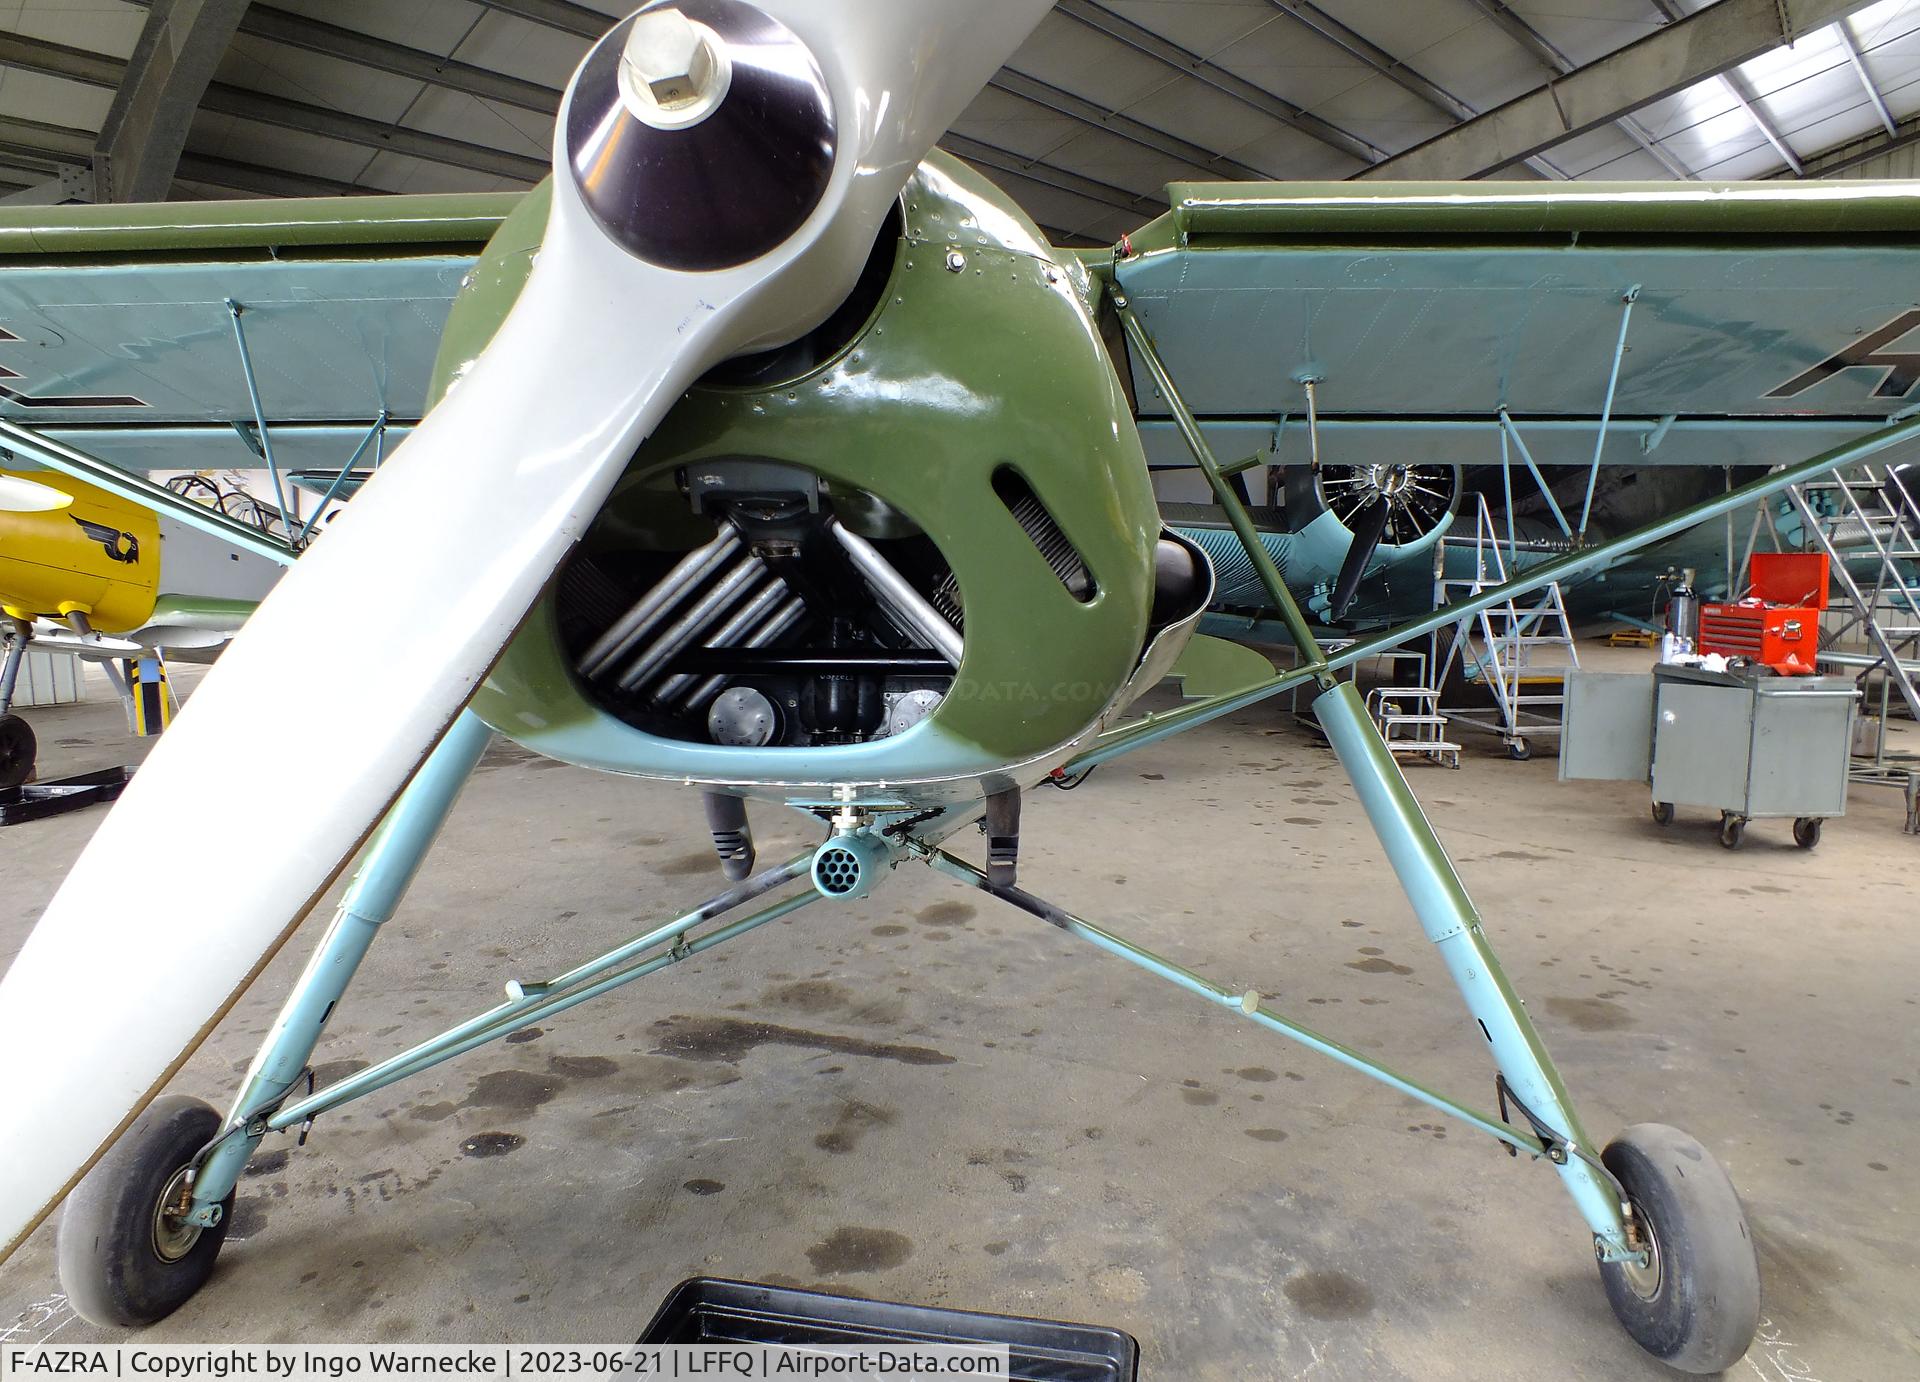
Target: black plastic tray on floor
(710, 1311)
(38, 800)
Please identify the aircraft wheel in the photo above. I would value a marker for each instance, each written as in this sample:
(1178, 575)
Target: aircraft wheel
(1696, 1303)
(1806, 832)
(1663, 813)
(17, 751)
(123, 1259)
(1519, 750)
(1733, 829)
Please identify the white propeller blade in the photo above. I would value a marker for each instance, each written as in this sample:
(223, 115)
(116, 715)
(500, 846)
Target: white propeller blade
(19, 495)
(406, 600)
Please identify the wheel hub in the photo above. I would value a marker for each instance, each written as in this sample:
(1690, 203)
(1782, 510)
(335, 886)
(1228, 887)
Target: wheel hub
(173, 1236)
(1642, 1273)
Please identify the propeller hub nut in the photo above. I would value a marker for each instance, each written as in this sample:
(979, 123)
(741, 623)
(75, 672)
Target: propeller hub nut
(673, 71)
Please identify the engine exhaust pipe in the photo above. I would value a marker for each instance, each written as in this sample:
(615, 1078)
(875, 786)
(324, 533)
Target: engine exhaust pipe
(899, 595)
(724, 637)
(782, 619)
(693, 623)
(638, 622)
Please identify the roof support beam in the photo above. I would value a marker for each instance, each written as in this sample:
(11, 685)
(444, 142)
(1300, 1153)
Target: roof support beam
(55, 150)
(1096, 116)
(556, 14)
(1743, 96)
(349, 45)
(1706, 44)
(146, 127)
(71, 184)
(1371, 54)
(1004, 161)
(1557, 62)
(94, 69)
(1144, 40)
(1844, 31)
(1736, 87)
(330, 40)
(1841, 159)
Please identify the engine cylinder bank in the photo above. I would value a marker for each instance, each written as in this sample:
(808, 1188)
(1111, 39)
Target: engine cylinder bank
(784, 628)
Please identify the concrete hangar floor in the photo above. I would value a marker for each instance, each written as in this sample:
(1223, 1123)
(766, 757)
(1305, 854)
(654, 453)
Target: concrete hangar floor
(925, 1097)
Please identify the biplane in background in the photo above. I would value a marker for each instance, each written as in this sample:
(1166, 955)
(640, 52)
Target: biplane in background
(825, 493)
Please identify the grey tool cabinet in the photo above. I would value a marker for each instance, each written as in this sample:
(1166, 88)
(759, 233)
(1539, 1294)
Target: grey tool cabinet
(1750, 745)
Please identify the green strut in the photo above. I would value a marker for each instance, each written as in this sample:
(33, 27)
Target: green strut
(1314, 661)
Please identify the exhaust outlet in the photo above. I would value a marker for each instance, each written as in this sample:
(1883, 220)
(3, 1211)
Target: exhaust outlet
(732, 835)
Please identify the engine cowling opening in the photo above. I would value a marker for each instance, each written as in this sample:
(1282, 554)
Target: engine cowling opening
(806, 618)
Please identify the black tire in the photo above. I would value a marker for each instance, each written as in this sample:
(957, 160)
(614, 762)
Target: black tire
(1806, 832)
(1733, 829)
(1519, 750)
(18, 750)
(1696, 1306)
(1663, 813)
(121, 1263)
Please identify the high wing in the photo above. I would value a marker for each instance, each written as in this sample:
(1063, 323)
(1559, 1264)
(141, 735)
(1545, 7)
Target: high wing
(1635, 345)
(117, 323)
(1423, 309)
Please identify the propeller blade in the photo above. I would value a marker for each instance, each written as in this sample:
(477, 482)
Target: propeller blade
(712, 195)
(1366, 538)
(20, 495)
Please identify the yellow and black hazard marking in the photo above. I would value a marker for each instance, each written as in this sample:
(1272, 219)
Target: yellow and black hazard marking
(152, 697)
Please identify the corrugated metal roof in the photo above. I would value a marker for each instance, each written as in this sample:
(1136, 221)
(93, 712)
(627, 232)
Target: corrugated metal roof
(1105, 104)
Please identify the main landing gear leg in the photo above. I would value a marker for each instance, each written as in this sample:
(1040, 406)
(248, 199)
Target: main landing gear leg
(139, 1234)
(1670, 1235)
(17, 750)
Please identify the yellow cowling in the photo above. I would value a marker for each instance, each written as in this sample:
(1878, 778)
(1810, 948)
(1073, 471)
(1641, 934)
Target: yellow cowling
(100, 556)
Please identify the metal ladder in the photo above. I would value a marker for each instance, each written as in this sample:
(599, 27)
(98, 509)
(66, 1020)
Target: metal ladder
(1872, 511)
(1514, 648)
(1412, 723)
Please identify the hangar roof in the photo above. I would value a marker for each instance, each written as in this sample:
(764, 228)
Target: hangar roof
(1106, 103)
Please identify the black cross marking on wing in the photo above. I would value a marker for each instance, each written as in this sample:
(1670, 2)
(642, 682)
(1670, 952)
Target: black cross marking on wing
(78, 400)
(1899, 370)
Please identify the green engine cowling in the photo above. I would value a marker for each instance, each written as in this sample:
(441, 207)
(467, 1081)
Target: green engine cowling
(964, 384)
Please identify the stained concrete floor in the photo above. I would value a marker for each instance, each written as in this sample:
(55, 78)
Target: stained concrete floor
(926, 1097)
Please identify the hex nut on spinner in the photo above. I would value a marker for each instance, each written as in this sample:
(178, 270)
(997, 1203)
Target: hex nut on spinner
(673, 71)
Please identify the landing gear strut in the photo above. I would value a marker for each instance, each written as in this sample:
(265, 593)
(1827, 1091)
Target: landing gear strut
(17, 747)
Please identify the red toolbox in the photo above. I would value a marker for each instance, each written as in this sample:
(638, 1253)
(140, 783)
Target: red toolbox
(1778, 624)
